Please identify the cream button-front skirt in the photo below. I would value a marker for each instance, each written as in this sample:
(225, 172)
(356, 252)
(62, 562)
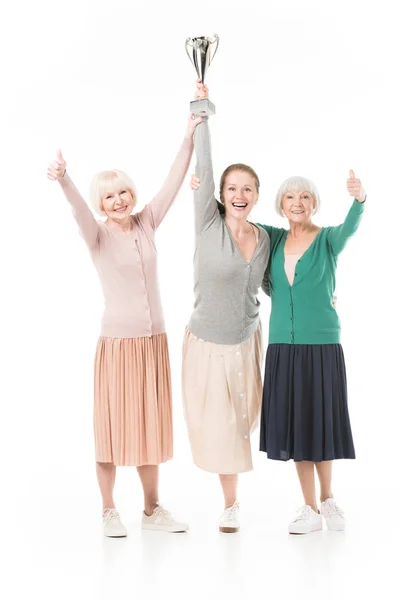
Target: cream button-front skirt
(222, 392)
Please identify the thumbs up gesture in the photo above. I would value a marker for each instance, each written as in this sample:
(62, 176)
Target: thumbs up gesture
(355, 188)
(56, 169)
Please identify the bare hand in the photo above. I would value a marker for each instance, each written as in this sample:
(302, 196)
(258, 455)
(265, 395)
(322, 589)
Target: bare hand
(56, 169)
(194, 182)
(191, 126)
(201, 90)
(355, 188)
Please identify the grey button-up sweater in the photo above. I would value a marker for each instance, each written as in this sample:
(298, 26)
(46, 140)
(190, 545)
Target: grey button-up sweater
(226, 307)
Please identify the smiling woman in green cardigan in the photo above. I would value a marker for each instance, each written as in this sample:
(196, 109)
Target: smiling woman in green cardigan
(304, 413)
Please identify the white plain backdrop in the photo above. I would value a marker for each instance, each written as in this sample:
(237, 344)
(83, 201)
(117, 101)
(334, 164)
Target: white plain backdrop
(301, 87)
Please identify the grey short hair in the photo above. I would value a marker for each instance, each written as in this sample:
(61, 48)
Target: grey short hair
(107, 182)
(296, 184)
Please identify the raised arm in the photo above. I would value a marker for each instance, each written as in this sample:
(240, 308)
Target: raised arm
(205, 205)
(87, 224)
(162, 202)
(338, 236)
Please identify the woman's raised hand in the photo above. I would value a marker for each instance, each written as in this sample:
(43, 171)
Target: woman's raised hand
(194, 182)
(56, 169)
(194, 120)
(191, 126)
(355, 188)
(201, 90)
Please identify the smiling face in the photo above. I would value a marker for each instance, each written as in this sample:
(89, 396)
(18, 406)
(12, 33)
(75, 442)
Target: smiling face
(239, 194)
(113, 195)
(297, 199)
(117, 205)
(298, 206)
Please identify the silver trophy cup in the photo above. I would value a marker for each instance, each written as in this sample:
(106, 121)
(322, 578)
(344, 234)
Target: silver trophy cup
(199, 50)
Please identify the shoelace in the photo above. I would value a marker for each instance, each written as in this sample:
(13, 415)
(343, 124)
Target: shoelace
(231, 513)
(110, 515)
(303, 514)
(162, 514)
(333, 510)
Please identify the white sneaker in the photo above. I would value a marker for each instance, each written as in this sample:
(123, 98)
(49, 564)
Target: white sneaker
(229, 521)
(112, 524)
(334, 516)
(161, 520)
(306, 520)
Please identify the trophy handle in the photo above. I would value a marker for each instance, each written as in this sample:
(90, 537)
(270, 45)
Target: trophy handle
(216, 40)
(189, 42)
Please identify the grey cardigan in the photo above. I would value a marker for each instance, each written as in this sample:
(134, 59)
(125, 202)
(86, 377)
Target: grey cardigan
(226, 307)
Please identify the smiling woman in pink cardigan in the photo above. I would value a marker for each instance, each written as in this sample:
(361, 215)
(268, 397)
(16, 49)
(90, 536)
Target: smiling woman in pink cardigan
(132, 384)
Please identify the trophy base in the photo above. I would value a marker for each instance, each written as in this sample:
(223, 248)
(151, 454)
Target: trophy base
(202, 108)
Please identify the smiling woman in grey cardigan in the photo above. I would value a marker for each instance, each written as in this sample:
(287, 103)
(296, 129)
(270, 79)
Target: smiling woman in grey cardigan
(222, 350)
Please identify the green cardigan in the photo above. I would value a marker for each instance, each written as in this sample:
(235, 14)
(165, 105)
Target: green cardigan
(303, 313)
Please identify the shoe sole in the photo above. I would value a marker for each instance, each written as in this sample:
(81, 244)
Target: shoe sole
(164, 529)
(229, 529)
(319, 528)
(336, 527)
(116, 536)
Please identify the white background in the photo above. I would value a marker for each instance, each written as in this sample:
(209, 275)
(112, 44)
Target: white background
(301, 87)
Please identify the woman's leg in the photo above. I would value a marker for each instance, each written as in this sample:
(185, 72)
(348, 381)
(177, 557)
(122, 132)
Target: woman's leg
(155, 516)
(305, 472)
(106, 478)
(229, 485)
(324, 470)
(308, 519)
(149, 477)
(229, 521)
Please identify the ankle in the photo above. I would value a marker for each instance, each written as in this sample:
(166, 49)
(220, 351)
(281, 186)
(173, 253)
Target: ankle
(326, 497)
(150, 507)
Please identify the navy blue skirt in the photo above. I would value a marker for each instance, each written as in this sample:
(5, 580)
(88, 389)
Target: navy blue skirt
(304, 410)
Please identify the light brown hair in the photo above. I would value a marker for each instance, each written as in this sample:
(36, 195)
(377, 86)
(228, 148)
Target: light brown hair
(237, 167)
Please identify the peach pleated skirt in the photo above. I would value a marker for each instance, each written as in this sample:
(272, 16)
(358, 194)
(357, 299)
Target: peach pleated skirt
(132, 401)
(222, 390)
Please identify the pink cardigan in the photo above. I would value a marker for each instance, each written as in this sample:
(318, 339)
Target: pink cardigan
(127, 261)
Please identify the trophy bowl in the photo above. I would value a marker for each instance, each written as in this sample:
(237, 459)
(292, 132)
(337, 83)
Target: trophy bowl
(201, 52)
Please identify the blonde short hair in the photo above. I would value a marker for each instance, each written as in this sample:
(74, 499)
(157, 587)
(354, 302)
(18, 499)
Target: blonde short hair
(296, 184)
(109, 182)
